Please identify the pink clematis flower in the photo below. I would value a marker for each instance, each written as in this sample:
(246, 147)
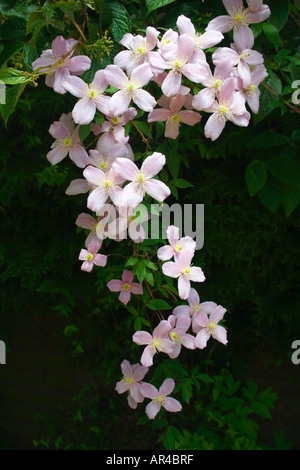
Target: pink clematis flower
(158, 342)
(159, 398)
(59, 64)
(104, 185)
(115, 125)
(184, 271)
(241, 55)
(142, 181)
(130, 88)
(139, 52)
(174, 116)
(91, 97)
(202, 41)
(91, 257)
(132, 220)
(250, 88)
(239, 18)
(209, 327)
(130, 383)
(229, 107)
(88, 222)
(194, 308)
(179, 335)
(179, 61)
(106, 152)
(213, 83)
(67, 142)
(176, 245)
(126, 287)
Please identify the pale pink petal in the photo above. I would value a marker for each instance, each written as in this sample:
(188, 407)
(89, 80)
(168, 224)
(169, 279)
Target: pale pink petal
(152, 409)
(255, 5)
(122, 59)
(125, 168)
(183, 287)
(159, 115)
(153, 164)
(167, 387)
(82, 255)
(194, 298)
(223, 24)
(172, 129)
(185, 26)
(136, 393)
(165, 253)
(78, 64)
(181, 310)
(202, 338)
(126, 368)
(57, 154)
(233, 5)
(209, 39)
(116, 77)
(100, 260)
(76, 87)
(171, 269)
(188, 341)
(144, 100)
(200, 319)
(189, 117)
(96, 199)
(142, 74)
(260, 15)
(217, 315)
(77, 186)
(127, 276)
(220, 334)
(79, 156)
(58, 130)
(147, 356)
(93, 175)
(119, 102)
(121, 386)
(161, 329)
(124, 296)
(59, 46)
(87, 266)
(172, 405)
(214, 127)
(85, 221)
(171, 84)
(204, 99)
(140, 373)
(99, 82)
(131, 402)
(141, 337)
(84, 111)
(151, 35)
(196, 274)
(60, 78)
(115, 285)
(243, 34)
(157, 189)
(195, 72)
(136, 288)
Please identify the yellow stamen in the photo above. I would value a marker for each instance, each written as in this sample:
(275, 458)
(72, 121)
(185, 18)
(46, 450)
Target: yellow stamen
(67, 142)
(89, 257)
(126, 286)
(92, 94)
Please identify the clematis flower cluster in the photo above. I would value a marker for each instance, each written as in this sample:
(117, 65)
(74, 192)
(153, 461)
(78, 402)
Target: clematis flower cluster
(171, 79)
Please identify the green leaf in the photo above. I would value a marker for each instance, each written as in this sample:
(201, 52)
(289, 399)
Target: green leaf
(12, 76)
(150, 265)
(13, 28)
(34, 20)
(149, 278)
(280, 11)
(154, 4)
(169, 439)
(271, 196)
(158, 304)
(181, 183)
(19, 8)
(48, 11)
(137, 324)
(272, 34)
(105, 13)
(285, 169)
(205, 378)
(251, 390)
(256, 176)
(140, 271)
(132, 262)
(9, 50)
(120, 20)
(144, 128)
(291, 200)
(267, 98)
(12, 96)
(84, 131)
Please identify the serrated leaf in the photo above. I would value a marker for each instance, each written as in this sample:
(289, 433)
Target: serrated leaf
(256, 176)
(120, 20)
(13, 28)
(155, 4)
(11, 76)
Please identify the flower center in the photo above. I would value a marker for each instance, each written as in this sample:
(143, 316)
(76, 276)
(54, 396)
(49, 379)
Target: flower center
(177, 64)
(178, 248)
(115, 120)
(141, 50)
(251, 90)
(217, 83)
(89, 257)
(92, 94)
(244, 55)
(67, 142)
(211, 327)
(186, 272)
(175, 118)
(140, 178)
(126, 286)
(107, 184)
(160, 399)
(223, 109)
(173, 336)
(103, 165)
(129, 380)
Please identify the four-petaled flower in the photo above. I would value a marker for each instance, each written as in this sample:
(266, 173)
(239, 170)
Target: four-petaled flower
(130, 383)
(91, 257)
(126, 287)
(159, 398)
